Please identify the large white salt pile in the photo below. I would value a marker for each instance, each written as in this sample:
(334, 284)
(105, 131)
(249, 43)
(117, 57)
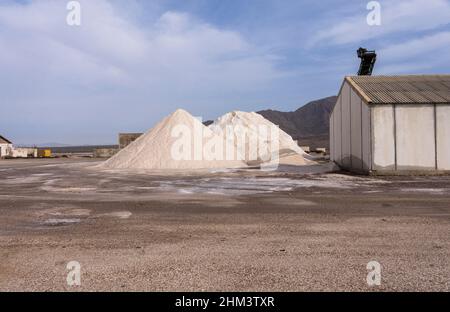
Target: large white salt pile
(179, 141)
(246, 125)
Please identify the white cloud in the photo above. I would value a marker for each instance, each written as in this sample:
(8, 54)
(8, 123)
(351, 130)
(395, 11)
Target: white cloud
(434, 45)
(417, 55)
(396, 17)
(115, 67)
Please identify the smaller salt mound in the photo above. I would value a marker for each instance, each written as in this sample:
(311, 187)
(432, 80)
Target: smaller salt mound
(163, 147)
(246, 125)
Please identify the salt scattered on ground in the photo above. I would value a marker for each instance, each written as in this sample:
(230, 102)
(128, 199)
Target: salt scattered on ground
(424, 190)
(118, 214)
(60, 222)
(259, 185)
(49, 188)
(64, 211)
(20, 180)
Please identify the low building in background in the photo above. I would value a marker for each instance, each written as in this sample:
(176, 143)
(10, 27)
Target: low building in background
(322, 150)
(8, 150)
(44, 153)
(5, 147)
(24, 152)
(105, 152)
(126, 139)
(306, 149)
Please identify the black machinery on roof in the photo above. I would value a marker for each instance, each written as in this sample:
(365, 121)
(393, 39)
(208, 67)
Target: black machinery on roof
(368, 59)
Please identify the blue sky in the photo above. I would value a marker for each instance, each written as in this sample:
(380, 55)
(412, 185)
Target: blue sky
(130, 63)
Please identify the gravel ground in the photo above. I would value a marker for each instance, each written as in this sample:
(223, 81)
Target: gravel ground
(223, 231)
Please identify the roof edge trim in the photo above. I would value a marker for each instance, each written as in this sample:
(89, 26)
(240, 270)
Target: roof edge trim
(358, 90)
(5, 139)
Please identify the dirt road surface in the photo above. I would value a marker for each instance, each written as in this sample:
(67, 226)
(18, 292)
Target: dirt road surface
(219, 231)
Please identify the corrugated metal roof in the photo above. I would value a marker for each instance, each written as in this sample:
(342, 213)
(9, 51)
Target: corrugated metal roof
(4, 140)
(414, 89)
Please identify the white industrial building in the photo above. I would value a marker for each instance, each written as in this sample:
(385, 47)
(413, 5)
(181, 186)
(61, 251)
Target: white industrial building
(8, 150)
(5, 147)
(392, 124)
(24, 152)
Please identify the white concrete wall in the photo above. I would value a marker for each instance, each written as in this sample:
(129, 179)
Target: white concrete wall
(415, 137)
(5, 149)
(24, 152)
(443, 136)
(19, 152)
(337, 135)
(366, 137)
(346, 131)
(331, 137)
(383, 139)
(356, 131)
(350, 131)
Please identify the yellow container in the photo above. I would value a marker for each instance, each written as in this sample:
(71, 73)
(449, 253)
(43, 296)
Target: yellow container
(45, 153)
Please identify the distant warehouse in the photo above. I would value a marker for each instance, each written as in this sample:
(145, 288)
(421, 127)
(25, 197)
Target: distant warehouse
(5, 146)
(126, 139)
(392, 124)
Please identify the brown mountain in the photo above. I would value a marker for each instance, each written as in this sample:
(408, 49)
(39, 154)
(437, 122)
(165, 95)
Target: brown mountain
(309, 124)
